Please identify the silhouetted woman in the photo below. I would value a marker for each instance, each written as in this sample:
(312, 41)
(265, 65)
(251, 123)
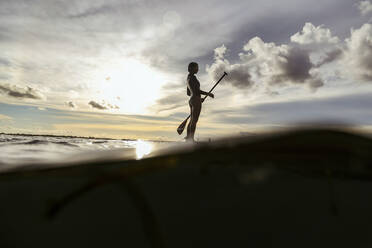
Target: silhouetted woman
(193, 90)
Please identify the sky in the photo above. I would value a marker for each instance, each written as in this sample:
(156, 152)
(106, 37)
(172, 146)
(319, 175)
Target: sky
(118, 68)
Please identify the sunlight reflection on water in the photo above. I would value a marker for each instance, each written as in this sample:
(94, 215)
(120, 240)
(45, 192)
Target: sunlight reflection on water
(143, 148)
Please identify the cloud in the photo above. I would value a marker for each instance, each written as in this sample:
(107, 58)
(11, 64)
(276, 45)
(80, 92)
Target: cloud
(112, 106)
(358, 52)
(18, 92)
(103, 106)
(297, 62)
(267, 62)
(239, 75)
(71, 104)
(171, 101)
(92, 11)
(97, 105)
(351, 108)
(120, 28)
(330, 57)
(291, 65)
(4, 62)
(314, 35)
(174, 96)
(365, 7)
(219, 52)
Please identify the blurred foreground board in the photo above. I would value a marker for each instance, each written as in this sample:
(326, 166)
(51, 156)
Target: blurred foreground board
(302, 188)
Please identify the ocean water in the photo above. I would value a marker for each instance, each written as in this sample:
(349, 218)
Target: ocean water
(17, 150)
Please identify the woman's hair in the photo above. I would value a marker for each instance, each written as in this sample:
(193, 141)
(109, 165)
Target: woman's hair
(192, 65)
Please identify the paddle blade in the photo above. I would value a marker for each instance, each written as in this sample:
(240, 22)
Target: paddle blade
(182, 127)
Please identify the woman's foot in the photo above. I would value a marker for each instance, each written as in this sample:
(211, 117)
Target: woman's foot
(189, 139)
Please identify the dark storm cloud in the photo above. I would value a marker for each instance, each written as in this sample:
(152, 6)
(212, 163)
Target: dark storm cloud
(97, 105)
(18, 92)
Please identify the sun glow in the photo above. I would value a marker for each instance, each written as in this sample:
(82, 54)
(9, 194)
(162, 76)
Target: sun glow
(130, 85)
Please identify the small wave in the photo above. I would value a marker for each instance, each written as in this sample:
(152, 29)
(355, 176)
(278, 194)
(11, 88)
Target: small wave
(33, 150)
(45, 142)
(10, 140)
(99, 142)
(34, 142)
(65, 143)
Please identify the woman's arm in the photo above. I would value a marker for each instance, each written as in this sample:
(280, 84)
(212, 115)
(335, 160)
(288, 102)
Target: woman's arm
(206, 93)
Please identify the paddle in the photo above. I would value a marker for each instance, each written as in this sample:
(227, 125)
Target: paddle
(183, 124)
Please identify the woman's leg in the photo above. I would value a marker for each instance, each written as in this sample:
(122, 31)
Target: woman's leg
(189, 125)
(195, 112)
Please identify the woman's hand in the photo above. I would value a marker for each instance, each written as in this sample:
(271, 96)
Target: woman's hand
(211, 95)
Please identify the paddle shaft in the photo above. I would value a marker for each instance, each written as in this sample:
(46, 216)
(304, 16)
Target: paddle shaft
(224, 74)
